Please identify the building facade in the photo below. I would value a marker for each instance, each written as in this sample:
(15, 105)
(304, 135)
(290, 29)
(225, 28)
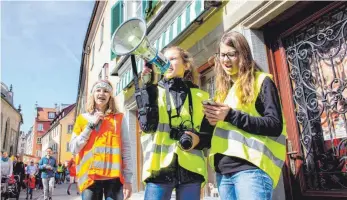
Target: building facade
(11, 120)
(302, 44)
(43, 119)
(59, 134)
(21, 143)
(29, 141)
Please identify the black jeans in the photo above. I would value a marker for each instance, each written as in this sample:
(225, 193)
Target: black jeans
(112, 189)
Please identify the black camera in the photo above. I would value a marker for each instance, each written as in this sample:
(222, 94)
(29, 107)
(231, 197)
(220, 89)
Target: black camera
(185, 141)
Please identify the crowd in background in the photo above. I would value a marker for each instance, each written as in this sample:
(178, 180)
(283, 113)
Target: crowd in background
(30, 173)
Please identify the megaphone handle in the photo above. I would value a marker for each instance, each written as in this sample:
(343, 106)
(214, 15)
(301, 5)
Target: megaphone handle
(136, 83)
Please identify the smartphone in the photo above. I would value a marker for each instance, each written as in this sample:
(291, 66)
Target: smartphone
(209, 102)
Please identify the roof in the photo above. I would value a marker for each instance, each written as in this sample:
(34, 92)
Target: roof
(42, 113)
(60, 116)
(63, 113)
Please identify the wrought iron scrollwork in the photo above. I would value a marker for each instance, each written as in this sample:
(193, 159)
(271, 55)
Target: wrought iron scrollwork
(317, 61)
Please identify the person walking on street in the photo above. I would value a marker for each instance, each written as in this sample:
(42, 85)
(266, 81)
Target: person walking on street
(30, 182)
(72, 171)
(101, 144)
(248, 145)
(38, 177)
(175, 130)
(19, 169)
(60, 170)
(6, 165)
(48, 166)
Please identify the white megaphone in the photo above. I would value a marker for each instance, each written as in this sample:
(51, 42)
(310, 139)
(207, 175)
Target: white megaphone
(130, 38)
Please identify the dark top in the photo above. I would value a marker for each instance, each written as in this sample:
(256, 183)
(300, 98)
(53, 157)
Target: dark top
(270, 123)
(18, 168)
(149, 122)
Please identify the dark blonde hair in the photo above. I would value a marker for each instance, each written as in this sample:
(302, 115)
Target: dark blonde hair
(111, 104)
(247, 69)
(191, 74)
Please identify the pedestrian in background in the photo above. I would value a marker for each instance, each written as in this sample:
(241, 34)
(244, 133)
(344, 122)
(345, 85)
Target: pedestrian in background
(38, 177)
(248, 144)
(48, 166)
(60, 170)
(72, 171)
(19, 169)
(30, 182)
(6, 165)
(101, 144)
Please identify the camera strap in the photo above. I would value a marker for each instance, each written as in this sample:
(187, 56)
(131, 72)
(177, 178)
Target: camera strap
(168, 102)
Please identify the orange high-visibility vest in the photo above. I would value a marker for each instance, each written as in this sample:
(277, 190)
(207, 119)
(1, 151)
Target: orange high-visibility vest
(100, 158)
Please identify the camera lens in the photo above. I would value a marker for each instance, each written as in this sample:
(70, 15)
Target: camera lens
(186, 141)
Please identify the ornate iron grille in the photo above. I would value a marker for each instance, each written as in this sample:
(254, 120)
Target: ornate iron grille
(316, 57)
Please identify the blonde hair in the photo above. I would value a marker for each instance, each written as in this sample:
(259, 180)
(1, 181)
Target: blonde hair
(191, 74)
(111, 104)
(247, 69)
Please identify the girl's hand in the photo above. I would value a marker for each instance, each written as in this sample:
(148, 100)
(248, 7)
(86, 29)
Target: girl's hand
(97, 117)
(148, 73)
(127, 190)
(215, 113)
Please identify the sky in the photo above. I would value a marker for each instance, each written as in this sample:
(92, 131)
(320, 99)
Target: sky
(41, 48)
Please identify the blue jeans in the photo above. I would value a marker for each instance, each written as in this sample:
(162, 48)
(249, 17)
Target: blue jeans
(249, 184)
(162, 191)
(112, 189)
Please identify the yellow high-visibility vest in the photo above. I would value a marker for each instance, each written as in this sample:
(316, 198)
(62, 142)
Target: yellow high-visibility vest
(100, 158)
(267, 153)
(158, 148)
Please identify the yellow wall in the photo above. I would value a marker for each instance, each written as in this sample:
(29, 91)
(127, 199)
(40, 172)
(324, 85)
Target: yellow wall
(202, 30)
(65, 136)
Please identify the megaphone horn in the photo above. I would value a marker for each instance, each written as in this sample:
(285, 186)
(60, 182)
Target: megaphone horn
(130, 38)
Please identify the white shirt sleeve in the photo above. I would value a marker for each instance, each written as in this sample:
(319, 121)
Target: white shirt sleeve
(126, 152)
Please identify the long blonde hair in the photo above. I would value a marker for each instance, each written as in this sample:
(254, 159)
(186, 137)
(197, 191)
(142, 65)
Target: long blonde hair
(247, 69)
(191, 74)
(111, 104)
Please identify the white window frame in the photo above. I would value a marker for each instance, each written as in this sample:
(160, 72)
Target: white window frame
(102, 27)
(39, 140)
(40, 127)
(70, 130)
(50, 115)
(67, 147)
(92, 57)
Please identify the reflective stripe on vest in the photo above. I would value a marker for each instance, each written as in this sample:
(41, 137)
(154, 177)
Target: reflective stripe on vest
(100, 158)
(158, 148)
(267, 153)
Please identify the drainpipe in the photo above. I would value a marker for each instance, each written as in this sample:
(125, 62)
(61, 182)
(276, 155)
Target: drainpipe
(60, 134)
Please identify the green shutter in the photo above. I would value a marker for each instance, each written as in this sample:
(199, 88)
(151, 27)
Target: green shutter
(171, 33)
(116, 19)
(144, 7)
(179, 25)
(197, 7)
(188, 16)
(163, 41)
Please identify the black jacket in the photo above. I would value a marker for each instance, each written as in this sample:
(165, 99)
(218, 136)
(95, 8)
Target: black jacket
(149, 122)
(18, 168)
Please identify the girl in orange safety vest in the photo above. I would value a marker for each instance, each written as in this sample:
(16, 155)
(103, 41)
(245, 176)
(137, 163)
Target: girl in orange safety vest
(101, 144)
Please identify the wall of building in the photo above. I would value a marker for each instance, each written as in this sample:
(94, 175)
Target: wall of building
(65, 154)
(11, 121)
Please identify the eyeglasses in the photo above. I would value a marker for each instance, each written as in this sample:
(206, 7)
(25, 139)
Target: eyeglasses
(229, 55)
